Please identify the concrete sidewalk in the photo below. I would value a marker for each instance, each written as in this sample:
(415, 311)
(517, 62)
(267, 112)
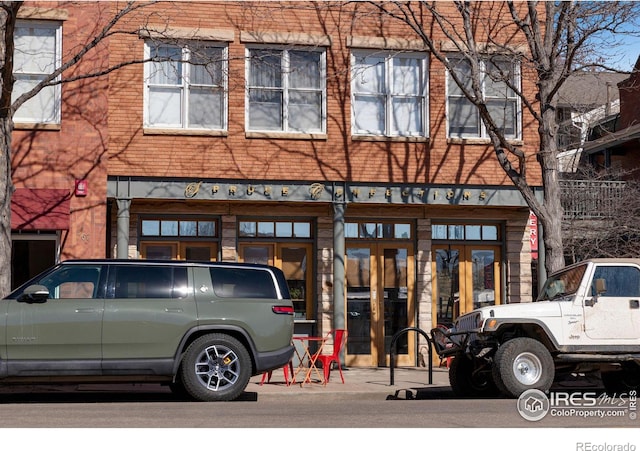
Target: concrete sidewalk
(409, 383)
(356, 381)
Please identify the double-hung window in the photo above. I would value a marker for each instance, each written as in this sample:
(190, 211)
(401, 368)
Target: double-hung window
(389, 94)
(37, 54)
(186, 86)
(502, 101)
(286, 90)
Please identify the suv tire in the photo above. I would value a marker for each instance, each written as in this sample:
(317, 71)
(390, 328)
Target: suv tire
(216, 367)
(468, 382)
(521, 364)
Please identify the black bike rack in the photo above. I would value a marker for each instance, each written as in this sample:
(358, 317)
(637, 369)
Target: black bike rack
(393, 346)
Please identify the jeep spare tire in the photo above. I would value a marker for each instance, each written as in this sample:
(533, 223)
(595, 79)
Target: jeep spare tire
(521, 364)
(216, 367)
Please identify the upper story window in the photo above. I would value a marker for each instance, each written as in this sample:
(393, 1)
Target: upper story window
(38, 49)
(286, 90)
(389, 93)
(185, 86)
(502, 101)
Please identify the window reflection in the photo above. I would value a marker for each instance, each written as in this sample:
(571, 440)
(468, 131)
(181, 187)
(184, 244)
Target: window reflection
(188, 228)
(384, 230)
(302, 230)
(265, 229)
(169, 228)
(247, 228)
(470, 232)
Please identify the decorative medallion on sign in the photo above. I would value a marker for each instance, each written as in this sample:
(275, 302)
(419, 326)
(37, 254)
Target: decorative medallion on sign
(192, 189)
(315, 190)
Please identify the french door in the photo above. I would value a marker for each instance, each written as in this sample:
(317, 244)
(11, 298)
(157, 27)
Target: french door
(380, 302)
(465, 277)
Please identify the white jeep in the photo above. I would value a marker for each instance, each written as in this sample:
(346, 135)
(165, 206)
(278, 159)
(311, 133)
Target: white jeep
(586, 319)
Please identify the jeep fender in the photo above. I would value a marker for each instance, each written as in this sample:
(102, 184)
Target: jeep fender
(529, 327)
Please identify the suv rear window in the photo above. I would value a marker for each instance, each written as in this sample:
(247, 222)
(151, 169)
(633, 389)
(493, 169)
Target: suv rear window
(242, 283)
(148, 282)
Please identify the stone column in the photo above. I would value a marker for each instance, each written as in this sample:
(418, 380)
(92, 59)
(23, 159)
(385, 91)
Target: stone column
(123, 228)
(338, 268)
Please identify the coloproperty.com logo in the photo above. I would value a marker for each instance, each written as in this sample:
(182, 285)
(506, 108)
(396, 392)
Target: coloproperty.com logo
(534, 405)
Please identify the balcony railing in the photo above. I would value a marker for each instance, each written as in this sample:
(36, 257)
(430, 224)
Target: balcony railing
(588, 199)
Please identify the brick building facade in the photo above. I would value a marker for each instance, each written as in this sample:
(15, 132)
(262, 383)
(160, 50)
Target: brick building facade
(315, 137)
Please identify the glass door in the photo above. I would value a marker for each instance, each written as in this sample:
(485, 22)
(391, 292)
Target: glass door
(396, 286)
(361, 307)
(466, 277)
(446, 286)
(379, 279)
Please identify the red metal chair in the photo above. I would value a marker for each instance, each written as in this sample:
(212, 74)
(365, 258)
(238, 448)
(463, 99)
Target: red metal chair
(288, 371)
(339, 340)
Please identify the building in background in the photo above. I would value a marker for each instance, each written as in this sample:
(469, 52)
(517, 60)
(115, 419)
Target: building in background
(585, 101)
(613, 147)
(59, 144)
(308, 136)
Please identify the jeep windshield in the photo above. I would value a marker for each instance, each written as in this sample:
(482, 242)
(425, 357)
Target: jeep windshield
(562, 284)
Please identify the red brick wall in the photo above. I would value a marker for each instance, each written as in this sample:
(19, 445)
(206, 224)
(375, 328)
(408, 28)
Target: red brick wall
(102, 117)
(630, 98)
(338, 157)
(77, 149)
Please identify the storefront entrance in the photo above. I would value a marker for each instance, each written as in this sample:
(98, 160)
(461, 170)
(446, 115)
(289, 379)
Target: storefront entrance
(466, 277)
(380, 302)
(30, 255)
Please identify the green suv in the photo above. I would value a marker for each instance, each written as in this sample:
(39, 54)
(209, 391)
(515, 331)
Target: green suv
(202, 328)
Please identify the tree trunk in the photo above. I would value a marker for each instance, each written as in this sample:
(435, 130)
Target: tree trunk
(6, 188)
(550, 216)
(8, 15)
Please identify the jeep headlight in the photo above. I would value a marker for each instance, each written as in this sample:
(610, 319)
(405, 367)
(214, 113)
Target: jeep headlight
(491, 324)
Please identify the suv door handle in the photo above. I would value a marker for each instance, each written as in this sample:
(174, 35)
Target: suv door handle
(86, 310)
(634, 303)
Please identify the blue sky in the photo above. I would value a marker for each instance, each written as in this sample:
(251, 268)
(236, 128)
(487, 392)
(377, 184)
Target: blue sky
(627, 54)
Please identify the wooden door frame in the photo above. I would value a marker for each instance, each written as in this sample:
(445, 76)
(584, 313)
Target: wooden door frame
(364, 359)
(466, 271)
(409, 358)
(497, 283)
(378, 357)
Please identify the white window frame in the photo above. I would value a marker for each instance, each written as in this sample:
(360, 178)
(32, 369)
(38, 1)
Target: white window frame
(185, 86)
(390, 96)
(286, 89)
(55, 116)
(512, 98)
